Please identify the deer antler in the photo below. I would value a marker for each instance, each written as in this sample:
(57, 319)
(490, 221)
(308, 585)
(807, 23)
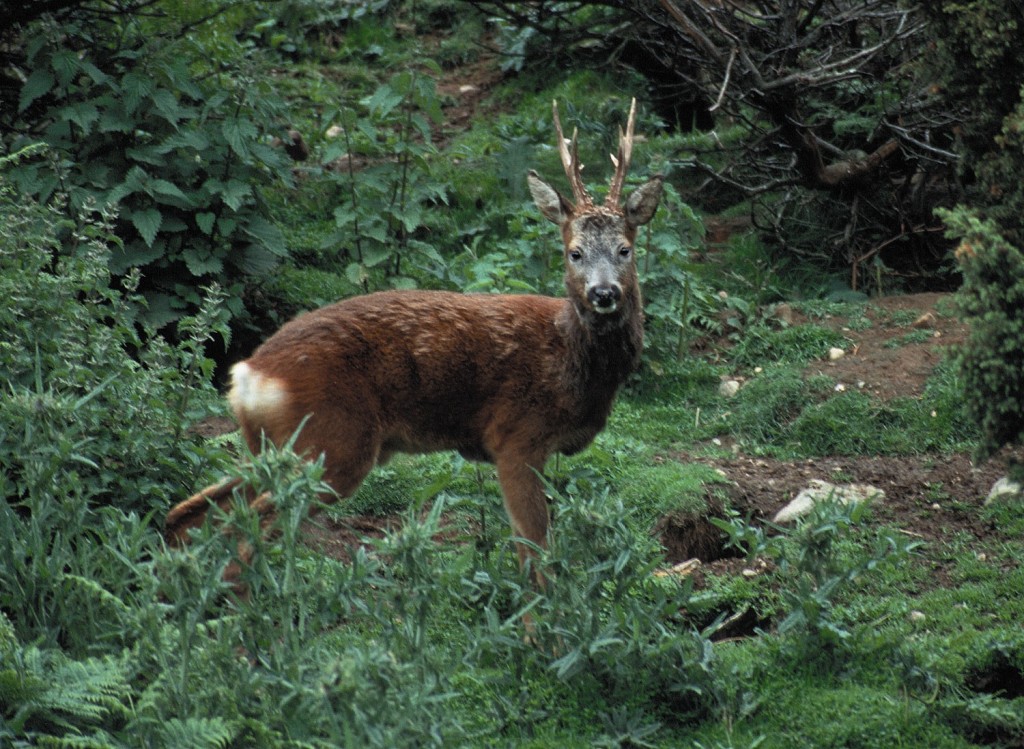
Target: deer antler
(571, 162)
(621, 161)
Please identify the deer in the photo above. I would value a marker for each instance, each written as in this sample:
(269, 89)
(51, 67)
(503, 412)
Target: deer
(504, 379)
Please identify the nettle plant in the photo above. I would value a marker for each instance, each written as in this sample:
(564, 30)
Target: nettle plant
(380, 150)
(173, 131)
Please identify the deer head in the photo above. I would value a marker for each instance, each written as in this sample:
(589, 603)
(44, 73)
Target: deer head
(598, 239)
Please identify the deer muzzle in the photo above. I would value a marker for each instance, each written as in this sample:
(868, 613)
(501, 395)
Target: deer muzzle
(604, 299)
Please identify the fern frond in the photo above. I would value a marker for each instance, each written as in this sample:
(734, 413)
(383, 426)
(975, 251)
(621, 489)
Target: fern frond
(46, 690)
(197, 733)
(98, 740)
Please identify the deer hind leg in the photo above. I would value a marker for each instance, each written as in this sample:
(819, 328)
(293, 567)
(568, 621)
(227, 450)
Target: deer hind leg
(192, 512)
(350, 446)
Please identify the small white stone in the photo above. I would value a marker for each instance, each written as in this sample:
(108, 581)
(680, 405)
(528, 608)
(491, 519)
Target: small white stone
(936, 506)
(333, 132)
(835, 353)
(749, 573)
(840, 387)
(729, 388)
(981, 556)
(819, 490)
(917, 616)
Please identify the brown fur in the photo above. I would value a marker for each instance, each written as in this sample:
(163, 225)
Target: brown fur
(507, 379)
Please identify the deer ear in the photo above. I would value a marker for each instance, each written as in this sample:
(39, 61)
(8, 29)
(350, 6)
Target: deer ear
(643, 202)
(553, 206)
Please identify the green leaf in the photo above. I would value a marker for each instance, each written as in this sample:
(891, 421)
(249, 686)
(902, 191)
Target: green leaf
(357, 274)
(266, 234)
(168, 192)
(134, 88)
(147, 222)
(233, 193)
(193, 139)
(374, 256)
(146, 155)
(201, 262)
(134, 182)
(167, 105)
(227, 225)
(38, 84)
(135, 255)
(113, 118)
(205, 221)
(257, 260)
(83, 114)
(97, 75)
(65, 64)
(238, 133)
(383, 101)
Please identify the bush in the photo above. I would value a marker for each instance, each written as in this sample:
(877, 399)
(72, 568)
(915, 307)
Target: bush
(977, 59)
(93, 423)
(171, 128)
(992, 360)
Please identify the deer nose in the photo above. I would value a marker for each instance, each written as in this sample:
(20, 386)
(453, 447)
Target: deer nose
(604, 298)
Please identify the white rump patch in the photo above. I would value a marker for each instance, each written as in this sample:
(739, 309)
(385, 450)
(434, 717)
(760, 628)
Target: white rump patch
(255, 394)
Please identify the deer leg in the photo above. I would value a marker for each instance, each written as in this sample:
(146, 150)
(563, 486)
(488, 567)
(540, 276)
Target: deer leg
(192, 512)
(350, 446)
(525, 504)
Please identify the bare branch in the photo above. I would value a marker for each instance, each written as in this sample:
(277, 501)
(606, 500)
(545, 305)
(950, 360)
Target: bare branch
(725, 83)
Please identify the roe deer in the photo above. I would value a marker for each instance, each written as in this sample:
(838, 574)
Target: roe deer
(508, 379)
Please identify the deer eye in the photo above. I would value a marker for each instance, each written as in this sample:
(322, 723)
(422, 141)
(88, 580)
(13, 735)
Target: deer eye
(575, 255)
(625, 250)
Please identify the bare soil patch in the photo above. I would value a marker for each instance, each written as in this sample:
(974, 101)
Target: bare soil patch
(907, 337)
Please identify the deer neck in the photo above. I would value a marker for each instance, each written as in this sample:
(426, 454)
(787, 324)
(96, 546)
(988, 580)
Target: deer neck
(602, 350)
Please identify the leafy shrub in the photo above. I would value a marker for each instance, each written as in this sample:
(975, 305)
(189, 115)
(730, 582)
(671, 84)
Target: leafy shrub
(390, 205)
(93, 427)
(992, 360)
(976, 58)
(156, 126)
(607, 623)
(93, 408)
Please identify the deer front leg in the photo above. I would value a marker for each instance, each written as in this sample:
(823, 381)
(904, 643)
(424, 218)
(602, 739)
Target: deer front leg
(526, 505)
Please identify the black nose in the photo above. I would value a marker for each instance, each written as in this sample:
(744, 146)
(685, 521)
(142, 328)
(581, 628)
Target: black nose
(604, 296)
